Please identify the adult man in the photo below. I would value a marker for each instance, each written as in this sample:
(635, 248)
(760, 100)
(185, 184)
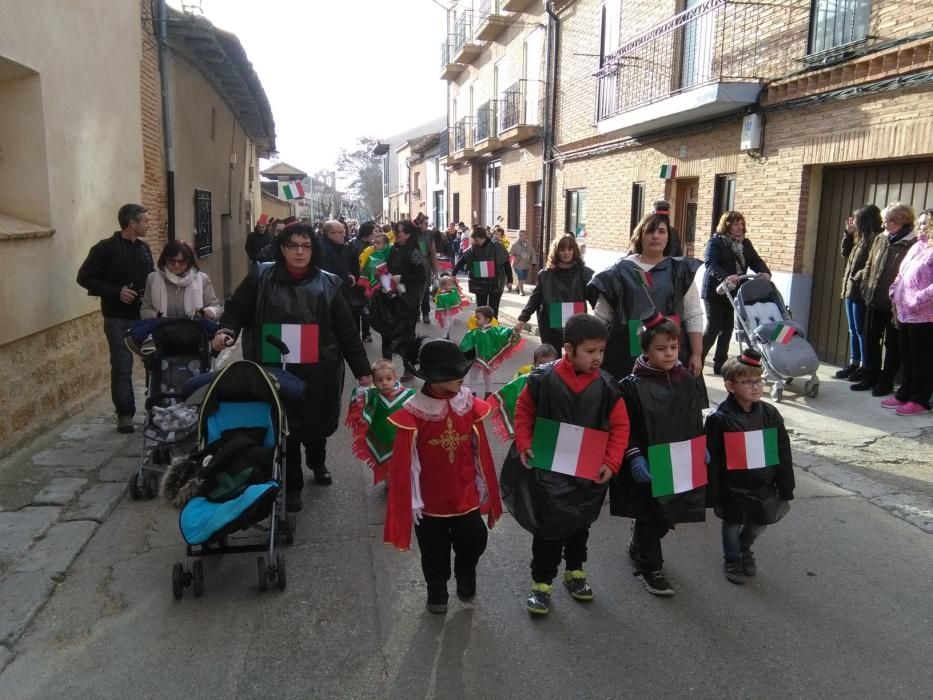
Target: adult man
(294, 294)
(115, 270)
(338, 258)
(259, 242)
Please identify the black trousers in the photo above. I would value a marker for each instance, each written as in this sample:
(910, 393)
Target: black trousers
(880, 329)
(546, 555)
(466, 534)
(648, 540)
(720, 321)
(426, 302)
(490, 299)
(315, 455)
(916, 340)
(400, 340)
(361, 318)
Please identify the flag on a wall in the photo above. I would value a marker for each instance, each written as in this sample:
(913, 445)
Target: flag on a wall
(560, 311)
(782, 334)
(291, 190)
(668, 172)
(677, 467)
(302, 339)
(484, 268)
(568, 449)
(754, 449)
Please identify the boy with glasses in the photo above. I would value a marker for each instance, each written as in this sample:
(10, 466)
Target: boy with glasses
(751, 472)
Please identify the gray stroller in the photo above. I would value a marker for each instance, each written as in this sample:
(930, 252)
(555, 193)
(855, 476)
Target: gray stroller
(764, 323)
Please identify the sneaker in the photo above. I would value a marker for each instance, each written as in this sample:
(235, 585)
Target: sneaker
(882, 389)
(734, 571)
(863, 385)
(655, 582)
(911, 409)
(148, 346)
(125, 424)
(893, 402)
(466, 585)
(858, 375)
(717, 367)
(540, 599)
(437, 608)
(846, 371)
(293, 503)
(576, 583)
(749, 567)
(322, 476)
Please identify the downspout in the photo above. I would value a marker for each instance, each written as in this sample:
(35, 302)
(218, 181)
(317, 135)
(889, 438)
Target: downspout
(167, 111)
(550, 111)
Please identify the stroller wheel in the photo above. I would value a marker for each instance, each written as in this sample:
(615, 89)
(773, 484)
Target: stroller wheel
(151, 486)
(261, 570)
(812, 388)
(135, 491)
(280, 571)
(178, 581)
(197, 571)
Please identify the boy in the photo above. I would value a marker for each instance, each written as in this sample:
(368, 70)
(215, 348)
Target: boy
(663, 480)
(570, 393)
(504, 400)
(441, 474)
(490, 345)
(751, 472)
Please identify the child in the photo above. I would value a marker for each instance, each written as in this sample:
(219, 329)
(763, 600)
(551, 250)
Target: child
(504, 400)
(568, 394)
(368, 417)
(448, 302)
(663, 480)
(373, 269)
(441, 474)
(751, 473)
(489, 345)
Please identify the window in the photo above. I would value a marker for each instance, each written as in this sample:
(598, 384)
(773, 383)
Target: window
(385, 176)
(417, 186)
(837, 22)
(576, 212)
(610, 26)
(723, 196)
(456, 207)
(514, 207)
(437, 170)
(491, 194)
(638, 204)
(203, 230)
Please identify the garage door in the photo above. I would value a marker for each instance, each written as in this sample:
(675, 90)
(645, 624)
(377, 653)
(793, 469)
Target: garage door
(844, 190)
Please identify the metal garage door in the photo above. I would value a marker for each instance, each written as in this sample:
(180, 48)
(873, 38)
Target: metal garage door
(844, 190)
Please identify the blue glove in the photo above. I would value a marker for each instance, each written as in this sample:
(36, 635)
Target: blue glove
(639, 467)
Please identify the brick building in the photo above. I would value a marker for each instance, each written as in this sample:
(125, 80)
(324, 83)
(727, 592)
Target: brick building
(838, 92)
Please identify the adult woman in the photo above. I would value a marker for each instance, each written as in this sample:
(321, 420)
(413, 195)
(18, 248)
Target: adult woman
(912, 297)
(563, 281)
(487, 262)
(728, 255)
(178, 289)
(294, 295)
(861, 229)
(523, 257)
(640, 283)
(882, 266)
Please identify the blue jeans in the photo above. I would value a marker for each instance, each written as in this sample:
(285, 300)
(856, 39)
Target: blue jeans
(737, 537)
(121, 365)
(855, 314)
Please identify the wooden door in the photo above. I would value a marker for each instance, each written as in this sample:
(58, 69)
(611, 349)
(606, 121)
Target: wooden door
(685, 215)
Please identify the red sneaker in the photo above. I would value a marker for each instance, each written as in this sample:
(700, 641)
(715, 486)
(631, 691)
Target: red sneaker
(911, 409)
(893, 402)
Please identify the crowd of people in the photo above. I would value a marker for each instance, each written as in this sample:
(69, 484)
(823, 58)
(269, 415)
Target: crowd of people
(612, 404)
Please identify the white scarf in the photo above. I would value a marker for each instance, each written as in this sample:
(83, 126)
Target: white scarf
(191, 283)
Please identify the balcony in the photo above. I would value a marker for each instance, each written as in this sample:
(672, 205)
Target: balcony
(450, 69)
(485, 129)
(443, 145)
(490, 22)
(466, 48)
(518, 5)
(709, 60)
(460, 142)
(521, 107)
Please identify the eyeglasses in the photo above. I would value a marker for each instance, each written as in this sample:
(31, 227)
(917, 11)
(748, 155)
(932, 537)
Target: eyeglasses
(751, 382)
(298, 246)
(177, 261)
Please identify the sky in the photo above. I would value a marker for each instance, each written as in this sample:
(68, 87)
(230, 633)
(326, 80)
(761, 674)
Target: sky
(335, 70)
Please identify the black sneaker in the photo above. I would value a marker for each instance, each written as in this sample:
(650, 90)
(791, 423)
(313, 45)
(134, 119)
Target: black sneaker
(846, 371)
(322, 476)
(717, 367)
(882, 389)
(437, 607)
(858, 375)
(734, 571)
(864, 385)
(655, 582)
(749, 567)
(466, 585)
(539, 601)
(293, 502)
(125, 424)
(576, 583)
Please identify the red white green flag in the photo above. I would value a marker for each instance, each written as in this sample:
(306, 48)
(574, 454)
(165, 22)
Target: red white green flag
(560, 311)
(484, 268)
(302, 339)
(782, 334)
(755, 449)
(634, 341)
(568, 449)
(291, 190)
(677, 467)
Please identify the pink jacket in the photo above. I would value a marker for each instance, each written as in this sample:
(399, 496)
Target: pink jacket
(912, 289)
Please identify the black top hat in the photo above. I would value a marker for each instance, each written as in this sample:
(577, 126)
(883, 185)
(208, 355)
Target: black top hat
(440, 361)
(652, 319)
(750, 357)
(662, 206)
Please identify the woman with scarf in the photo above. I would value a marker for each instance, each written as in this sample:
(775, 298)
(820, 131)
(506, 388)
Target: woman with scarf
(178, 289)
(728, 255)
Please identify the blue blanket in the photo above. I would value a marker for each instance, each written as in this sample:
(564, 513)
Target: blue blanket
(200, 519)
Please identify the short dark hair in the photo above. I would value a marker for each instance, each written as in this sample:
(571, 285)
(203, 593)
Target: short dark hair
(479, 232)
(582, 327)
(366, 229)
(485, 311)
(666, 327)
(303, 231)
(173, 248)
(128, 213)
(544, 350)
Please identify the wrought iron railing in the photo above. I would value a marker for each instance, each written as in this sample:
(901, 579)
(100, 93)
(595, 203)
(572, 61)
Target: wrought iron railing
(714, 41)
(486, 8)
(463, 134)
(522, 103)
(447, 50)
(443, 148)
(485, 127)
(464, 29)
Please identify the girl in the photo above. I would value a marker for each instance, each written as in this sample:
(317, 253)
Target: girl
(503, 401)
(448, 300)
(489, 345)
(368, 417)
(373, 269)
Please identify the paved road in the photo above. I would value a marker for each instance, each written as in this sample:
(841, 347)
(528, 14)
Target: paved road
(841, 608)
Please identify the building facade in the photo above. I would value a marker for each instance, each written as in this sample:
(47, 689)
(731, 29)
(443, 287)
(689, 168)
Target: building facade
(794, 113)
(395, 175)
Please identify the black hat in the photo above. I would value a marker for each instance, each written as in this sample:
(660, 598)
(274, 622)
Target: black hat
(653, 319)
(662, 206)
(751, 358)
(440, 360)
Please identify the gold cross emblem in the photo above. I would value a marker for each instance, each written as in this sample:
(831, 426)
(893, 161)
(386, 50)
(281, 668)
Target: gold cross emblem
(449, 440)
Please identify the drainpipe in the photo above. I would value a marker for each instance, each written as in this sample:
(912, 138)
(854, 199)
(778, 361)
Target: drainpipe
(550, 110)
(166, 87)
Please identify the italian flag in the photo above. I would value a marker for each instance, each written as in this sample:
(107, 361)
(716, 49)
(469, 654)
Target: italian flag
(291, 190)
(302, 339)
(568, 449)
(634, 326)
(755, 449)
(484, 268)
(782, 334)
(668, 172)
(559, 312)
(677, 467)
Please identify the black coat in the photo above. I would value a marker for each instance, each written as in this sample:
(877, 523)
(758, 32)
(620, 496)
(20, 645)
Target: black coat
(721, 263)
(344, 263)
(754, 496)
(488, 251)
(555, 284)
(112, 264)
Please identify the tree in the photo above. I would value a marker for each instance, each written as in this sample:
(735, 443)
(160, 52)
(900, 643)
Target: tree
(364, 170)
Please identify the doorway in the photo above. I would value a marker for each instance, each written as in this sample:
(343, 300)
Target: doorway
(685, 214)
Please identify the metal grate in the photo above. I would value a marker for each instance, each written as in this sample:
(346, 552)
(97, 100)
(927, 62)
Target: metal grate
(464, 30)
(463, 134)
(835, 23)
(486, 121)
(203, 226)
(522, 103)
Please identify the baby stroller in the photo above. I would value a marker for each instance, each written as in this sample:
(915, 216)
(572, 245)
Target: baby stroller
(182, 351)
(236, 481)
(765, 324)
